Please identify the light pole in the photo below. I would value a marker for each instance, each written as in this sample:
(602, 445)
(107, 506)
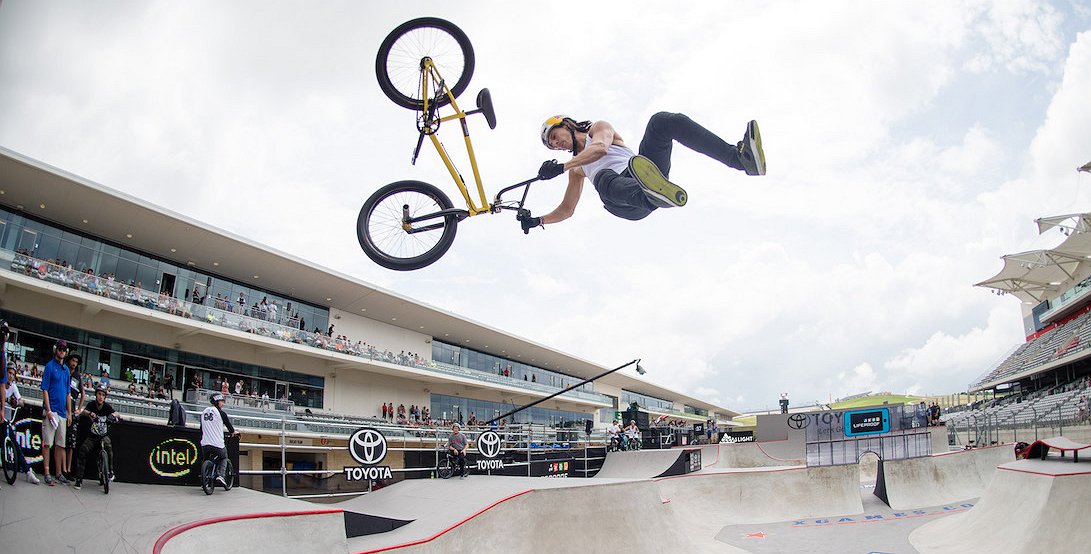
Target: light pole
(639, 370)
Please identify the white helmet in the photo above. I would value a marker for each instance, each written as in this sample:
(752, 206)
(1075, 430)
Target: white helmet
(552, 123)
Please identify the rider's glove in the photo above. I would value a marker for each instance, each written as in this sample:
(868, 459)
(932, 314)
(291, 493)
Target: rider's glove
(527, 222)
(550, 169)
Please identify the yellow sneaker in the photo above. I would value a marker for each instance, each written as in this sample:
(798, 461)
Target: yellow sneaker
(662, 192)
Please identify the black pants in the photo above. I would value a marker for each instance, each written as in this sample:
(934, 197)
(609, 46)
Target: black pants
(458, 459)
(621, 194)
(218, 455)
(89, 444)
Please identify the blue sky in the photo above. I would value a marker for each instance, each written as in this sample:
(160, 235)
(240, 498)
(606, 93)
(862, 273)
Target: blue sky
(910, 145)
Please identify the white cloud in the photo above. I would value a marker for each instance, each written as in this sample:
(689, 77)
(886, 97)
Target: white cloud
(910, 145)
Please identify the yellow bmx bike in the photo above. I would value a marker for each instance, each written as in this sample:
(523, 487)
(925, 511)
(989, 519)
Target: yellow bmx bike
(424, 65)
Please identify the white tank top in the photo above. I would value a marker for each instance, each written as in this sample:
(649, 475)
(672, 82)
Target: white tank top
(617, 158)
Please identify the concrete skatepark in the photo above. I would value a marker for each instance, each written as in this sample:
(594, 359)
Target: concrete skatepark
(741, 500)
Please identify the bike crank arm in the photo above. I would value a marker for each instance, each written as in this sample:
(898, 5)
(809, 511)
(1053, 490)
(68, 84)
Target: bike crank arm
(407, 221)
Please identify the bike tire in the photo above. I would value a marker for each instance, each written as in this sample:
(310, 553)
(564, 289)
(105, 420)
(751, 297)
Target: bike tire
(445, 470)
(382, 236)
(104, 470)
(207, 484)
(397, 64)
(11, 471)
(229, 477)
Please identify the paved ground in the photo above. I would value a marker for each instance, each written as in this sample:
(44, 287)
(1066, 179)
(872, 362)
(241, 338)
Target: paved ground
(1030, 506)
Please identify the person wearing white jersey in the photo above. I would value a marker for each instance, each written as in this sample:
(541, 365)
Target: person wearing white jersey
(213, 422)
(633, 184)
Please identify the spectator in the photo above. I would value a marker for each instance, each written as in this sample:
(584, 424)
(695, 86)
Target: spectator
(104, 376)
(57, 416)
(75, 388)
(132, 387)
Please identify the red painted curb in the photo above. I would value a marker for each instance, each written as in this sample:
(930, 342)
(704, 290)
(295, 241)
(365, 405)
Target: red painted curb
(174, 532)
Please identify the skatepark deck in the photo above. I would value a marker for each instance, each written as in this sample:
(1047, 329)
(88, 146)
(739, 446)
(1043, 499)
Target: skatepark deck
(1030, 505)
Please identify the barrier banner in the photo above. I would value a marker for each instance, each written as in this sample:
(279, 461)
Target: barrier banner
(143, 452)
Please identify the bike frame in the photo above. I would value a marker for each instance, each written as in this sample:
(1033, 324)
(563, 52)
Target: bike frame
(431, 75)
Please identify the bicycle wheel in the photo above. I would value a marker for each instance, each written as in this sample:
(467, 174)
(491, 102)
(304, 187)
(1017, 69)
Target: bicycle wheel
(446, 469)
(11, 471)
(229, 478)
(207, 484)
(398, 63)
(383, 234)
(104, 470)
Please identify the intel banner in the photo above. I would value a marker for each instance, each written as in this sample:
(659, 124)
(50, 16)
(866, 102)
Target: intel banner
(143, 452)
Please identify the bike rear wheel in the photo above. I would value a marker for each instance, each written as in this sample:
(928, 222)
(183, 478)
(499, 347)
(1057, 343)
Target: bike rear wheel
(398, 63)
(389, 241)
(104, 470)
(446, 469)
(9, 459)
(207, 471)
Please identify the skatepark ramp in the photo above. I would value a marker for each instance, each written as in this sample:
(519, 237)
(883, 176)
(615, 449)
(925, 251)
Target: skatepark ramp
(1030, 506)
(763, 495)
(758, 454)
(939, 479)
(640, 464)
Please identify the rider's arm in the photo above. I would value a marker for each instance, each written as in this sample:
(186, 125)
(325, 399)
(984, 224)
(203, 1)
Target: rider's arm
(571, 198)
(227, 422)
(602, 136)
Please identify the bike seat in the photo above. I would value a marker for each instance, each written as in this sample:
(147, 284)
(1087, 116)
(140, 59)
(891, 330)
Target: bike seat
(484, 103)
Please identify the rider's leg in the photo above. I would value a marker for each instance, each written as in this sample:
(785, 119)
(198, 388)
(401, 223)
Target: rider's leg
(221, 467)
(665, 127)
(622, 195)
(109, 453)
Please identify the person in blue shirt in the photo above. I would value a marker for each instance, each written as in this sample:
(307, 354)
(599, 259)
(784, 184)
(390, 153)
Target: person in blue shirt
(57, 416)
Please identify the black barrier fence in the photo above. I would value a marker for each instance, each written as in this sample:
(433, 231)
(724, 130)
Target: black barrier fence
(143, 452)
(545, 463)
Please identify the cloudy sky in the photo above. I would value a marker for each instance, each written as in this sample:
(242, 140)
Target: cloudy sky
(910, 145)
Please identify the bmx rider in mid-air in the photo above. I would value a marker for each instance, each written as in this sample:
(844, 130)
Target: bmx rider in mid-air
(633, 184)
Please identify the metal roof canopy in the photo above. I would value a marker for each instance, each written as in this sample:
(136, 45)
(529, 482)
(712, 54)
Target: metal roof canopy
(1032, 276)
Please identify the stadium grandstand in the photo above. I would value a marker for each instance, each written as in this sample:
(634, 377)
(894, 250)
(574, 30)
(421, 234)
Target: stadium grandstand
(1042, 383)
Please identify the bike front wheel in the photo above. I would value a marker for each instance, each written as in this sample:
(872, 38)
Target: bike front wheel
(398, 63)
(104, 470)
(390, 240)
(207, 471)
(11, 471)
(229, 477)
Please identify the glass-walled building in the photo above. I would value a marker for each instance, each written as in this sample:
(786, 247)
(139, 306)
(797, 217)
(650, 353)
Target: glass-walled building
(69, 248)
(461, 409)
(472, 359)
(645, 401)
(31, 346)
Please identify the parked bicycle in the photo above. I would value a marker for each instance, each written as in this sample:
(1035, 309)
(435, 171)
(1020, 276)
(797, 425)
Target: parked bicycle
(100, 429)
(208, 475)
(11, 456)
(424, 65)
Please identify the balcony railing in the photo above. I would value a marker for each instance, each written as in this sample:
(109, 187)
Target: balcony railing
(242, 319)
